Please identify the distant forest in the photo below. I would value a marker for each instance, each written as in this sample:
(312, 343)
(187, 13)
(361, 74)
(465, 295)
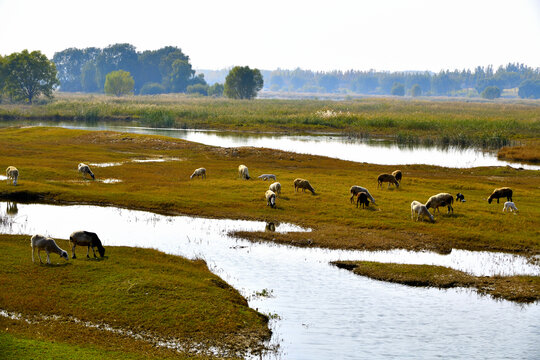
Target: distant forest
(169, 70)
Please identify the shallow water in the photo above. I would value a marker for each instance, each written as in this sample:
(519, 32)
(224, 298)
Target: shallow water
(375, 151)
(325, 312)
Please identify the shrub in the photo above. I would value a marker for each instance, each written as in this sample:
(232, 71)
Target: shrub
(491, 92)
(152, 89)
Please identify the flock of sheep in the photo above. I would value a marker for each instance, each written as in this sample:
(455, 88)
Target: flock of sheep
(362, 194)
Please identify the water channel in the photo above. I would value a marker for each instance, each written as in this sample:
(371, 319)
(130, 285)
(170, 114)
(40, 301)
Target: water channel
(376, 151)
(324, 312)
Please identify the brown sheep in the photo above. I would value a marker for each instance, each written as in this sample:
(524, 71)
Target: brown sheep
(389, 178)
(504, 192)
(362, 199)
(398, 175)
(355, 190)
(304, 185)
(442, 199)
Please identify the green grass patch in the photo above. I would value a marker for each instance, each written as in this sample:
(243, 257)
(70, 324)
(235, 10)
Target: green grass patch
(524, 289)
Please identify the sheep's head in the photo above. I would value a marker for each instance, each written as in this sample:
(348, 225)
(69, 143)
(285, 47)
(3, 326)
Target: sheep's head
(64, 255)
(489, 200)
(101, 251)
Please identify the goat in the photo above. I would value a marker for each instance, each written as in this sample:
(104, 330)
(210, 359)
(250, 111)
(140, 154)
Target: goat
(276, 187)
(41, 242)
(85, 170)
(267, 176)
(504, 192)
(199, 172)
(398, 175)
(303, 184)
(243, 172)
(420, 210)
(86, 238)
(389, 178)
(270, 198)
(362, 199)
(13, 174)
(510, 206)
(460, 197)
(355, 190)
(442, 199)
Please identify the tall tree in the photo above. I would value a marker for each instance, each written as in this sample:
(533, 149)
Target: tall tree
(29, 75)
(119, 83)
(243, 82)
(116, 57)
(180, 75)
(89, 77)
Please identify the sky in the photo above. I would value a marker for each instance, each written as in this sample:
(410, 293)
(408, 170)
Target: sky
(391, 35)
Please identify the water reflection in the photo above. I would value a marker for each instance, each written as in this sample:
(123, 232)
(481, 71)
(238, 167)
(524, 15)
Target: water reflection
(374, 151)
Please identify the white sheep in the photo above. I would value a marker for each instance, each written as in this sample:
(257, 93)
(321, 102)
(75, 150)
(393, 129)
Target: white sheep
(243, 172)
(85, 170)
(267, 176)
(510, 207)
(12, 173)
(199, 172)
(355, 190)
(41, 242)
(276, 187)
(420, 210)
(270, 198)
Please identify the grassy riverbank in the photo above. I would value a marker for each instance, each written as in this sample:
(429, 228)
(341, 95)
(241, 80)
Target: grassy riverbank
(47, 159)
(410, 121)
(158, 296)
(523, 289)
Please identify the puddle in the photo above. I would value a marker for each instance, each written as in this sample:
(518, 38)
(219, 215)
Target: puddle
(320, 311)
(109, 164)
(109, 181)
(155, 160)
(3, 177)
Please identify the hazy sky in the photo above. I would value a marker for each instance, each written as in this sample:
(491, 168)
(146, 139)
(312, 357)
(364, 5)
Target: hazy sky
(317, 35)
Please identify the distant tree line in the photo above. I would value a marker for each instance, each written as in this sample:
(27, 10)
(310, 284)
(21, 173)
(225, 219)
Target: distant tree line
(154, 71)
(444, 83)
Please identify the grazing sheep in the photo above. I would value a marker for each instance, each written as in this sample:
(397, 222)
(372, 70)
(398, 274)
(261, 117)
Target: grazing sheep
(510, 206)
(362, 199)
(504, 192)
(398, 175)
(389, 178)
(86, 238)
(12, 174)
(460, 197)
(420, 210)
(267, 176)
(85, 170)
(243, 172)
(276, 187)
(304, 185)
(270, 198)
(199, 172)
(442, 199)
(355, 190)
(41, 242)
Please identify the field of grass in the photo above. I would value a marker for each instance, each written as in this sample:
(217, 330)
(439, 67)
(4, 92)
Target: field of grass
(453, 122)
(523, 289)
(530, 152)
(161, 297)
(47, 159)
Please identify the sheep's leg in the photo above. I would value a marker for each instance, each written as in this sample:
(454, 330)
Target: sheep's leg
(88, 252)
(39, 255)
(73, 251)
(48, 258)
(497, 200)
(94, 251)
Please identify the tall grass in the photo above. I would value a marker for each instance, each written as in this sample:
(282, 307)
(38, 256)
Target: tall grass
(446, 122)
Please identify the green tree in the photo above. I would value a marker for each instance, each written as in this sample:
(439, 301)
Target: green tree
(180, 75)
(491, 92)
(529, 89)
(201, 89)
(119, 83)
(243, 83)
(216, 90)
(416, 90)
(89, 77)
(152, 89)
(29, 75)
(398, 89)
